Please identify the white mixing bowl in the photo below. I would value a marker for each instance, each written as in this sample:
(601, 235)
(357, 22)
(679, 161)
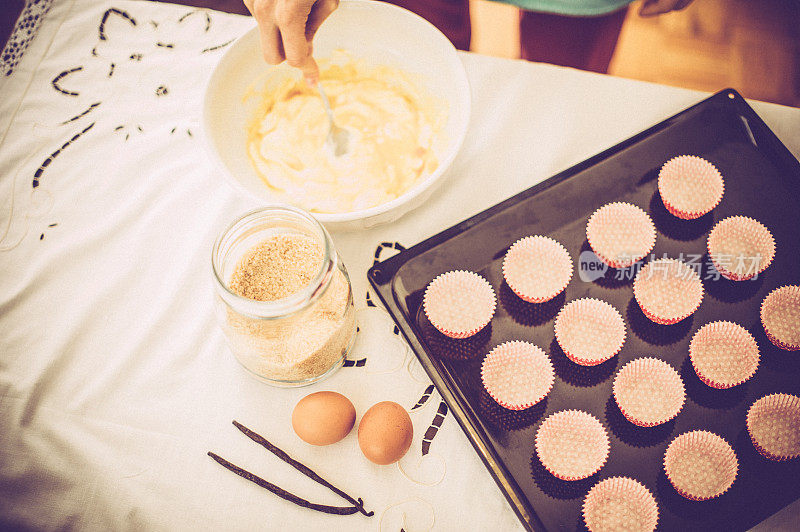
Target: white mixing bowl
(378, 32)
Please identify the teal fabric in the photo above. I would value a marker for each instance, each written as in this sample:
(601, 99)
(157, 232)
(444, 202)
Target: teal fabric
(584, 8)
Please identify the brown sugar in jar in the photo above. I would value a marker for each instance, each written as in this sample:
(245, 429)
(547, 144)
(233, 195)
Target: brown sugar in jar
(284, 297)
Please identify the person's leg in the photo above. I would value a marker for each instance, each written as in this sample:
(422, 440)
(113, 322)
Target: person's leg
(579, 42)
(450, 16)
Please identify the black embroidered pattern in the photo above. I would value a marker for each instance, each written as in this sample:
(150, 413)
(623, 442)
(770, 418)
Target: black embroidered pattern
(55, 82)
(386, 245)
(190, 13)
(217, 47)
(101, 30)
(424, 399)
(161, 90)
(38, 174)
(433, 429)
(91, 108)
(360, 363)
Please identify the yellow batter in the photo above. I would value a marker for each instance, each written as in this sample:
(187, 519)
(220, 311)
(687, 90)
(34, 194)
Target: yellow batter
(392, 130)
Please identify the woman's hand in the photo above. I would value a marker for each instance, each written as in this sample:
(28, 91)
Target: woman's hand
(651, 8)
(287, 29)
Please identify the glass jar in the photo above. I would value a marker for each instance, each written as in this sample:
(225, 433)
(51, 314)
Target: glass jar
(300, 338)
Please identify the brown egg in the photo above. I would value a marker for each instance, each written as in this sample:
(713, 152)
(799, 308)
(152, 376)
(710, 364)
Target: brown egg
(385, 433)
(322, 418)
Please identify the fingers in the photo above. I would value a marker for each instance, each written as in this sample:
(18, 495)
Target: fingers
(286, 29)
(271, 44)
(291, 19)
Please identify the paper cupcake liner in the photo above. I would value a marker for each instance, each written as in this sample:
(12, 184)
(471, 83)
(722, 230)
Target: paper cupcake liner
(572, 444)
(780, 317)
(459, 303)
(700, 465)
(723, 354)
(620, 503)
(690, 186)
(773, 423)
(740, 247)
(537, 268)
(517, 375)
(620, 234)
(589, 331)
(668, 290)
(648, 392)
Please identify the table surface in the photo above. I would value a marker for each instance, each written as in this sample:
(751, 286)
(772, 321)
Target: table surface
(114, 377)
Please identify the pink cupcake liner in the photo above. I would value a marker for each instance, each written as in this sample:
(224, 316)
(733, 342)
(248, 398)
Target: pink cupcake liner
(589, 331)
(668, 290)
(537, 268)
(517, 375)
(723, 354)
(572, 444)
(780, 317)
(773, 423)
(648, 392)
(740, 247)
(620, 234)
(690, 186)
(700, 465)
(620, 503)
(459, 303)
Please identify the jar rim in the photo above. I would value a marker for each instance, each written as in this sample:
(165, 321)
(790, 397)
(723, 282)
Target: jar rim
(296, 301)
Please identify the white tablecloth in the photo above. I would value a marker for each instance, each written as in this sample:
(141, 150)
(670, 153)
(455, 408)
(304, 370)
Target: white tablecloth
(114, 377)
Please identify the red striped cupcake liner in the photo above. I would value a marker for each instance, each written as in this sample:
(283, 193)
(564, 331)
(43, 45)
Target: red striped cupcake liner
(668, 290)
(620, 234)
(700, 465)
(773, 423)
(780, 317)
(537, 268)
(648, 392)
(620, 503)
(459, 303)
(517, 375)
(724, 354)
(690, 186)
(740, 247)
(589, 331)
(572, 444)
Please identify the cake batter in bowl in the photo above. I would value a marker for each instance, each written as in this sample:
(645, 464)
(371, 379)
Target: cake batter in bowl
(392, 124)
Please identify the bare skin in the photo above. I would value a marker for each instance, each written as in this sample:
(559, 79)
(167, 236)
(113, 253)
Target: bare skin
(287, 27)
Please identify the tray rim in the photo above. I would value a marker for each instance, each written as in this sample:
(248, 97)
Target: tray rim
(381, 274)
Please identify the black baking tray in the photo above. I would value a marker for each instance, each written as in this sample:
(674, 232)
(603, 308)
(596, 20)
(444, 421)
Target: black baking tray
(762, 180)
